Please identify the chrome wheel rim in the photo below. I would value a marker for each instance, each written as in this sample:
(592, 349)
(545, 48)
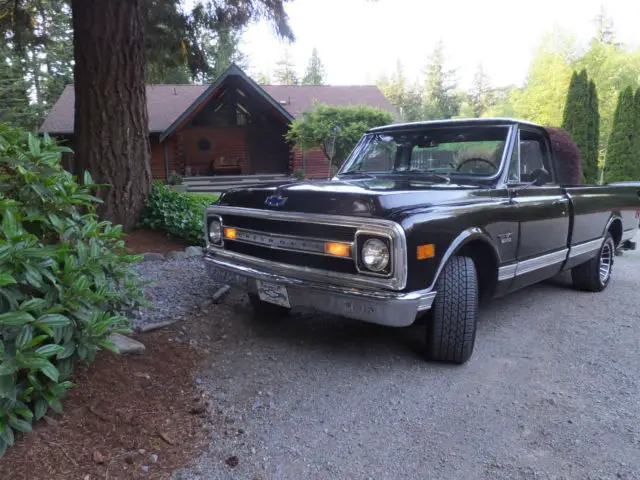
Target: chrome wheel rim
(606, 261)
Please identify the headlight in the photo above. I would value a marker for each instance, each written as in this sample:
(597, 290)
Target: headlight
(215, 231)
(375, 255)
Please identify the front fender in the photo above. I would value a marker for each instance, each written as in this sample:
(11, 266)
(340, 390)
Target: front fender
(423, 274)
(465, 237)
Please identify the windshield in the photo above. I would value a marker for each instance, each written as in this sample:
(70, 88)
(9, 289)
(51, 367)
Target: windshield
(438, 151)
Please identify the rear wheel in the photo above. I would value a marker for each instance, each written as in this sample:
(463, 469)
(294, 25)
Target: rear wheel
(451, 330)
(265, 310)
(594, 275)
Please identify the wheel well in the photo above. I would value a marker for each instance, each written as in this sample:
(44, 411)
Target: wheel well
(486, 263)
(616, 231)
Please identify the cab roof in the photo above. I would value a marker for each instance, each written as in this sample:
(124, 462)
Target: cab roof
(452, 122)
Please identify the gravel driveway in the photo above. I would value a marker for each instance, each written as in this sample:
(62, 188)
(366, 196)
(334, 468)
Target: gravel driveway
(552, 391)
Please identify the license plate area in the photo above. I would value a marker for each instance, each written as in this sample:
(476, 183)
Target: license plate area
(273, 293)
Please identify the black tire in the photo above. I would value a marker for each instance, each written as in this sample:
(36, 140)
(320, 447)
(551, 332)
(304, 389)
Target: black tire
(587, 276)
(265, 310)
(451, 330)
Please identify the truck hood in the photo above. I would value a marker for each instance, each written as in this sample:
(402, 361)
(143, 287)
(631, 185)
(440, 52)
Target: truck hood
(370, 197)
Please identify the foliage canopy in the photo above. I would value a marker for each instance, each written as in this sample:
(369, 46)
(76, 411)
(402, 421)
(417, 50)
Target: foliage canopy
(313, 127)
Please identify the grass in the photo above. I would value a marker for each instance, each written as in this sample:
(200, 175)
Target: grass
(210, 197)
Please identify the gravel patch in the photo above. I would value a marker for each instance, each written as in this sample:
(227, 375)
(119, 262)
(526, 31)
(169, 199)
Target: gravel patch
(177, 287)
(551, 392)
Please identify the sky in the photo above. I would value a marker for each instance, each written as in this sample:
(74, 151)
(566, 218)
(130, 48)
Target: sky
(358, 40)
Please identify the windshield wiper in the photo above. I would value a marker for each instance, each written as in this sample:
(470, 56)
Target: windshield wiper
(355, 172)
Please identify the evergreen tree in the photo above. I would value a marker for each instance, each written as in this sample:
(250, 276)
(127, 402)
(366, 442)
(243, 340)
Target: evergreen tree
(405, 97)
(605, 33)
(15, 107)
(113, 41)
(263, 78)
(285, 72)
(315, 74)
(480, 93)
(576, 117)
(621, 161)
(590, 166)
(438, 98)
(635, 141)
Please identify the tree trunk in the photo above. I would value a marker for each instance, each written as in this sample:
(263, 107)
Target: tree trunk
(111, 119)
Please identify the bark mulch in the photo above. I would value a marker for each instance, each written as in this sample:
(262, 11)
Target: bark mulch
(137, 416)
(145, 240)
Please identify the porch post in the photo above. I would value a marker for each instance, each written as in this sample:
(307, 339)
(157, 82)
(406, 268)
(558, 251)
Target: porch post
(166, 162)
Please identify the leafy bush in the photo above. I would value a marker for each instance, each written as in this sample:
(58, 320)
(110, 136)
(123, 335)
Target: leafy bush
(64, 280)
(311, 128)
(174, 179)
(299, 174)
(177, 213)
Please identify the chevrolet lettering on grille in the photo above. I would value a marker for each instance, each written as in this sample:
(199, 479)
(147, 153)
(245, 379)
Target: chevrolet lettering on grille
(277, 241)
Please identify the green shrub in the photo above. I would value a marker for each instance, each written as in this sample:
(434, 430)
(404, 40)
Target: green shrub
(299, 174)
(177, 213)
(64, 281)
(174, 179)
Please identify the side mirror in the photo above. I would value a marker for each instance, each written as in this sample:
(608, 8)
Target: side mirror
(540, 177)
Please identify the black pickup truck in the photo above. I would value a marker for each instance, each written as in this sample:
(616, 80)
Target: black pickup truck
(422, 222)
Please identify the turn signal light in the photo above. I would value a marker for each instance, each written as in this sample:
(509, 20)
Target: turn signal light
(337, 249)
(426, 251)
(230, 233)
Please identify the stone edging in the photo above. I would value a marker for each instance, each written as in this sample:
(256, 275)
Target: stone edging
(189, 252)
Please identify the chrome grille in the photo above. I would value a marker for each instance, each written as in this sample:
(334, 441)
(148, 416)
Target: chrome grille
(297, 241)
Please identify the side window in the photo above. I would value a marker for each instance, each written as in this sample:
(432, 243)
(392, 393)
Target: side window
(533, 154)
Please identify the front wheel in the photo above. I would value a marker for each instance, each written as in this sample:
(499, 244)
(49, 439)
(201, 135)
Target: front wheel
(594, 275)
(451, 330)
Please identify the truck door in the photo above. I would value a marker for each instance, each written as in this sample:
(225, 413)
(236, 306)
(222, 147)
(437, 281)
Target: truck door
(543, 211)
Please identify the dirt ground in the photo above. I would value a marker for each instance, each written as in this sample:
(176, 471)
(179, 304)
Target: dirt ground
(131, 416)
(152, 241)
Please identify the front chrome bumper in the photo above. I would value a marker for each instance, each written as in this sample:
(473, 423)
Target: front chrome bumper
(395, 309)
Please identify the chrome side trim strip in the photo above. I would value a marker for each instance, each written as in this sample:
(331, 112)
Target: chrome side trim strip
(586, 247)
(397, 281)
(507, 272)
(542, 261)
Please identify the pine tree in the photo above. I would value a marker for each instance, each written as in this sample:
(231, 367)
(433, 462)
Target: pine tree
(621, 161)
(405, 97)
(480, 93)
(438, 98)
(14, 102)
(315, 74)
(263, 78)
(285, 73)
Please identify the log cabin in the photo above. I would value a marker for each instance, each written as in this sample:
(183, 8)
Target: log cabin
(233, 126)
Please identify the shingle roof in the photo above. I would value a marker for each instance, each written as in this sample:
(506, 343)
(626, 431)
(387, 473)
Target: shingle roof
(300, 98)
(167, 102)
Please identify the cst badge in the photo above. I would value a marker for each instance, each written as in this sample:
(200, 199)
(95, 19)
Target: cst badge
(504, 237)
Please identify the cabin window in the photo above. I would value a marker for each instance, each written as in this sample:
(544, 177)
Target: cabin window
(204, 145)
